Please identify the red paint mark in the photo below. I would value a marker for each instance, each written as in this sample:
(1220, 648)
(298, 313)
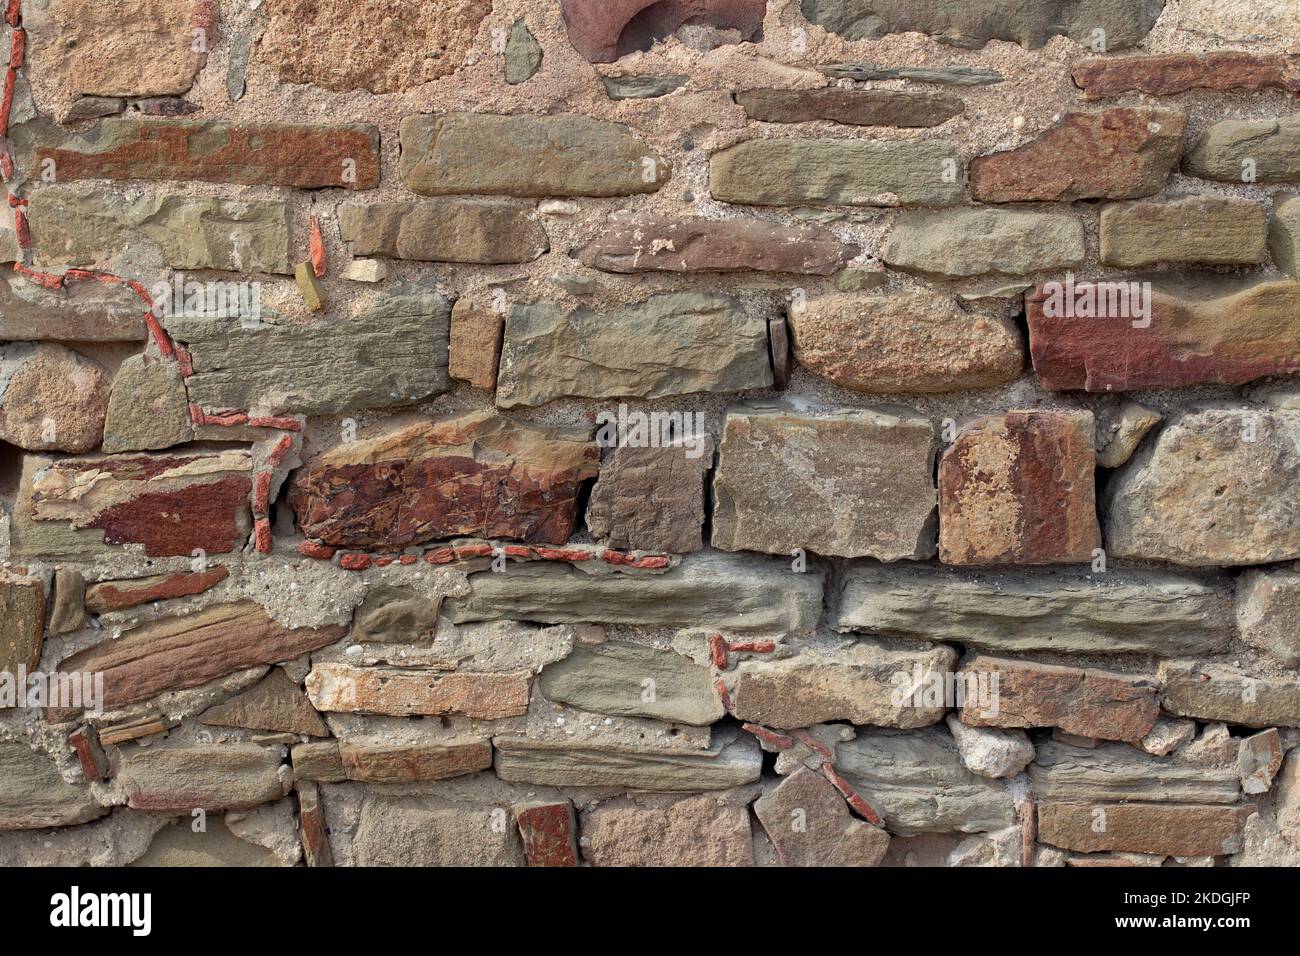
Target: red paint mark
(7, 104)
(653, 563)
(262, 493)
(518, 551)
(408, 559)
(262, 535)
(563, 554)
(198, 416)
(226, 419)
(160, 336)
(815, 745)
(22, 230)
(281, 451)
(754, 647)
(718, 651)
(473, 551)
(770, 737)
(283, 424)
(185, 361)
(851, 796)
(721, 688)
(440, 556)
(14, 13)
(314, 549)
(44, 279)
(18, 48)
(355, 562)
(317, 249)
(547, 832)
(85, 742)
(15, 202)
(383, 562)
(7, 165)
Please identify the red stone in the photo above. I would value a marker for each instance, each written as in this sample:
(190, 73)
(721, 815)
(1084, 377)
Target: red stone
(262, 535)
(563, 554)
(718, 651)
(121, 595)
(547, 830)
(94, 763)
(314, 549)
(311, 822)
(753, 647)
(262, 492)
(1178, 72)
(604, 30)
(355, 562)
(853, 798)
(772, 738)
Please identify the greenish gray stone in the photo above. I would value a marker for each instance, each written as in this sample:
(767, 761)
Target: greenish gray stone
(392, 615)
(942, 76)
(783, 172)
(34, 795)
(670, 344)
(860, 280)
(77, 312)
(147, 408)
(970, 242)
(487, 232)
(642, 87)
(611, 678)
(572, 284)
(523, 54)
(309, 286)
(1221, 694)
(75, 228)
(1284, 234)
(972, 23)
(528, 156)
(1061, 771)
(1248, 151)
(1218, 230)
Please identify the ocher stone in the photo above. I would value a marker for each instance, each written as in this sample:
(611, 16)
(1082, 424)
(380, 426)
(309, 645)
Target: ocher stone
(1248, 151)
(968, 242)
(51, 398)
(1160, 828)
(810, 825)
(694, 831)
(1268, 613)
(275, 704)
(1220, 230)
(148, 408)
(341, 688)
(1130, 426)
(488, 232)
(475, 347)
(67, 607)
(22, 624)
(1215, 692)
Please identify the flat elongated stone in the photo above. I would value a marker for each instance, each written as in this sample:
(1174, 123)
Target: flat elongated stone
(528, 156)
(249, 154)
(393, 354)
(148, 408)
(179, 652)
(1268, 613)
(788, 172)
(1019, 489)
(375, 690)
(550, 352)
(33, 794)
(377, 761)
(1217, 487)
(642, 87)
(1283, 235)
(488, 232)
(1248, 151)
(658, 244)
(275, 704)
(1212, 692)
(851, 483)
(22, 623)
(123, 595)
(231, 776)
(972, 23)
(76, 312)
(1090, 703)
(810, 825)
(851, 107)
(1220, 230)
(51, 398)
(475, 474)
(423, 831)
(904, 343)
(694, 831)
(610, 678)
(1171, 73)
(969, 242)
(1119, 612)
(942, 76)
(604, 30)
(1121, 772)
(1120, 153)
(73, 227)
(1165, 829)
(740, 592)
(652, 499)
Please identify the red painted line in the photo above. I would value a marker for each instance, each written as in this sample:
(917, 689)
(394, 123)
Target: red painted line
(355, 562)
(281, 451)
(14, 13)
(753, 647)
(46, 279)
(22, 230)
(771, 737)
(854, 799)
(262, 535)
(18, 48)
(283, 424)
(718, 651)
(314, 549)
(721, 688)
(317, 249)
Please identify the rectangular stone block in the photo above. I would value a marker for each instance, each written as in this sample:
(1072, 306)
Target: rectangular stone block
(398, 693)
(652, 499)
(444, 230)
(1216, 230)
(379, 761)
(22, 623)
(1218, 693)
(1161, 828)
(229, 776)
(75, 312)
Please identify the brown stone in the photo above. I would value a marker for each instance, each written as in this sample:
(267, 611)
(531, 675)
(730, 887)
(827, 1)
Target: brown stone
(68, 605)
(1259, 760)
(778, 342)
(1219, 230)
(248, 154)
(1019, 489)
(51, 398)
(312, 832)
(378, 761)
(276, 704)
(1171, 73)
(1090, 703)
(604, 30)
(179, 652)
(810, 825)
(473, 474)
(1120, 153)
(405, 693)
(852, 107)
(22, 623)
(659, 244)
(695, 831)
(485, 231)
(34, 795)
(1163, 828)
(652, 499)
(231, 776)
(475, 350)
(318, 761)
(120, 595)
(548, 831)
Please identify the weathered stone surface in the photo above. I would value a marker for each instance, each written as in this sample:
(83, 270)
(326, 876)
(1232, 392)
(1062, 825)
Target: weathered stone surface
(715, 345)
(179, 652)
(380, 761)
(34, 795)
(695, 831)
(1259, 760)
(851, 107)
(918, 783)
(658, 244)
(1120, 153)
(739, 592)
(810, 825)
(481, 231)
(122, 595)
(475, 474)
(72, 227)
(318, 761)
(310, 289)
(1119, 612)
(786, 172)
(407, 693)
(1268, 613)
(729, 762)
(392, 354)
(231, 776)
(604, 30)
(1169, 829)
(249, 154)
(1113, 772)
(475, 347)
(419, 831)
(549, 832)
(67, 605)
(850, 483)
(1215, 692)
(941, 76)
(1168, 735)
(523, 54)
(148, 408)
(276, 703)
(1195, 331)
(989, 752)
(904, 342)
(969, 242)
(51, 398)
(973, 23)
(652, 499)
(1217, 486)
(1248, 151)
(392, 615)
(76, 312)
(528, 156)
(1091, 703)
(642, 87)
(177, 845)
(1283, 235)
(1119, 437)
(22, 623)
(611, 678)
(1220, 230)
(1019, 489)
(1171, 73)
(859, 684)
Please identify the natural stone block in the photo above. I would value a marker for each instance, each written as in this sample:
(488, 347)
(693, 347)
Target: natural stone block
(475, 347)
(1121, 435)
(392, 615)
(549, 832)
(318, 761)
(419, 831)
(1165, 829)
(67, 605)
(642, 87)
(376, 690)
(989, 752)
(34, 795)
(275, 704)
(940, 75)
(695, 831)
(148, 408)
(1170, 73)
(1259, 760)
(380, 761)
(75, 312)
(969, 242)
(1214, 692)
(51, 398)
(122, 595)
(1284, 234)
(809, 824)
(1248, 151)
(652, 499)
(1268, 613)
(604, 30)
(852, 107)
(310, 288)
(488, 232)
(523, 54)
(1113, 772)
(1219, 230)
(22, 624)
(231, 776)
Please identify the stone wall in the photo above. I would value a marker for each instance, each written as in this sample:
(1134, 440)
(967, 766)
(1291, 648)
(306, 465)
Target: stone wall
(614, 432)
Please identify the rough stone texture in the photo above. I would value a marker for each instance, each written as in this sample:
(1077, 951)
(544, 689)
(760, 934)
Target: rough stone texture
(392, 615)
(381, 762)
(1259, 760)
(550, 353)
(475, 474)
(1168, 829)
(1113, 772)
(810, 825)
(1214, 692)
(989, 752)
(1130, 425)
(415, 831)
(523, 54)
(51, 398)
(232, 776)
(851, 107)
(374, 690)
(1120, 153)
(904, 342)
(1171, 73)
(1268, 613)
(549, 833)
(1201, 494)
(786, 172)
(148, 408)
(526, 156)
(850, 483)
(488, 232)
(633, 680)
(67, 604)
(1254, 151)
(1090, 703)
(33, 795)
(696, 831)
(275, 704)
(474, 351)
(652, 499)
(1019, 489)
(22, 623)
(969, 242)
(122, 595)
(605, 30)
(1167, 736)
(76, 312)
(1283, 235)
(1219, 230)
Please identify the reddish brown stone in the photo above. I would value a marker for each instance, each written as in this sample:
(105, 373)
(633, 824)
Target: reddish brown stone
(1178, 72)
(374, 690)
(1020, 489)
(275, 704)
(316, 849)
(381, 762)
(1090, 703)
(860, 107)
(604, 30)
(1121, 153)
(475, 349)
(85, 743)
(474, 475)
(548, 831)
(1162, 828)
(249, 154)
(120, 595)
